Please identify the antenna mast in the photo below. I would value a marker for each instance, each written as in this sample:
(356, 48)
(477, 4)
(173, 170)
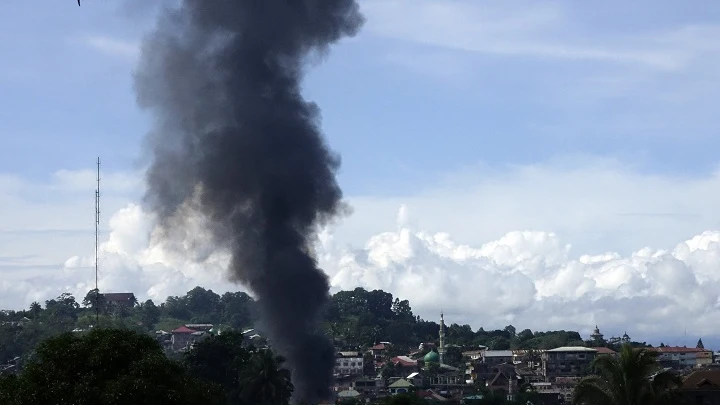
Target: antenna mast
(97, 224)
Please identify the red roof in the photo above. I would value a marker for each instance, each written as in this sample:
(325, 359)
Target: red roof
(604, 350)
(704, 379)
(380, 346)
(404, 361)
(670, 349)
(184, 329)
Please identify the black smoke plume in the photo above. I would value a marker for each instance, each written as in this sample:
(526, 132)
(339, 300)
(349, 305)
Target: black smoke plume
(235, 143)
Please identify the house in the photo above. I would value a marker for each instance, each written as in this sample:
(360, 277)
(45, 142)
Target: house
(343, 382)
(431, 396)
(348, 395)
(183, 337)
(559, 391)
(683, 357)
(605, 351)
(348, 363)
(127, 300)
(401, 386)
(369, 386)
(702, 388)
(504, 383)
(204, 327)
(495, 357)
(571, 361)
(404, 361)
(475, 354)
(447, 379)
(379, 350)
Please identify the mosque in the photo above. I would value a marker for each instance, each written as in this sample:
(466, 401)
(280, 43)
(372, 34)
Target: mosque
(597, 338)
(437, 356)
(448, 375)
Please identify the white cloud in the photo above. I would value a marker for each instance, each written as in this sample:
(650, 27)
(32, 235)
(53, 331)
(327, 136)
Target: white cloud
(653, 80)
(530, 29)
(541, 246)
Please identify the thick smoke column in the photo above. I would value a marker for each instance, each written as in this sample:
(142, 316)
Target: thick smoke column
(235, 143)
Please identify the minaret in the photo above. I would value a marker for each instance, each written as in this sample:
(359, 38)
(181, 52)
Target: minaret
(441, 349)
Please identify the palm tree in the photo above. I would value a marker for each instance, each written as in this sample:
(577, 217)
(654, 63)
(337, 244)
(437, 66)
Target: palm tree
(35, 309)
(634, 377)
(264, 381)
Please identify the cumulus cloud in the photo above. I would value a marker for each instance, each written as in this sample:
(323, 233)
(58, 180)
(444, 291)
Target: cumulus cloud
(534, 279)
(539, 246)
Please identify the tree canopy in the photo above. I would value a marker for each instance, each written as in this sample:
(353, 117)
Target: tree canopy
(105, 366)
(354, 319)
(634, 377)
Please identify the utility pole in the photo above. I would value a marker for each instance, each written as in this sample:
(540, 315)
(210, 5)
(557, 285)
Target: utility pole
(97, 224)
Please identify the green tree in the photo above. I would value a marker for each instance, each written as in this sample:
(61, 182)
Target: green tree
(264, 381)
(632, 378)
(368, 364)
(402, 310)
(62, 311)
(35, 310)
(203, 305)
(220, 359)
(453, 356)
(105, 366)
(380, 304)
(236, 309)
(149, 314)
(94, 299)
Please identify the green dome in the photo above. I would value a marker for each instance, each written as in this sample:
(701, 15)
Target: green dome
(432, 357)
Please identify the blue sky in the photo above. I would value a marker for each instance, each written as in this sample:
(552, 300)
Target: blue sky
(418, 101)
(563, 149)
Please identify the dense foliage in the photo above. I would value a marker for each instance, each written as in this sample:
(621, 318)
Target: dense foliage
(354, 319)
(632, 378)
(105, 366)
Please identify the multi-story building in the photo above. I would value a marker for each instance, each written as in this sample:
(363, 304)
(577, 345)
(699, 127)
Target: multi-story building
(567, 362)
(495, 357)
(369, 386)
(683, 357)
(348, 363)
(475, 354)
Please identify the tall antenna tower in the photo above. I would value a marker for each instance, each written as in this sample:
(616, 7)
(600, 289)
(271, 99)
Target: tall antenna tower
(97, 224)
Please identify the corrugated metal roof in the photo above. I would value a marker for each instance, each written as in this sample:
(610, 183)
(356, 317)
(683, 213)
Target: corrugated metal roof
(572, 349)
(498, 353)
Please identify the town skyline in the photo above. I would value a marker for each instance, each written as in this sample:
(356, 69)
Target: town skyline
(543, 170)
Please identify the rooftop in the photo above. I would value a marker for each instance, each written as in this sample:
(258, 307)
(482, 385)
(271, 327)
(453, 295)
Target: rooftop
(115, 297)
(498, 353)
(604, 350)
(669, 349)
(570, 349)
(184, 329)
(702, 380)
(404, 361)
(401, 383)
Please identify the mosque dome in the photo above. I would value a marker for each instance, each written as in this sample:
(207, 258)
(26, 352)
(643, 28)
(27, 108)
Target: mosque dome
(432, 357)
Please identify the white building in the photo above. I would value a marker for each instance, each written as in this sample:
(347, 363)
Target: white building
(349, 363)
(683, 357)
